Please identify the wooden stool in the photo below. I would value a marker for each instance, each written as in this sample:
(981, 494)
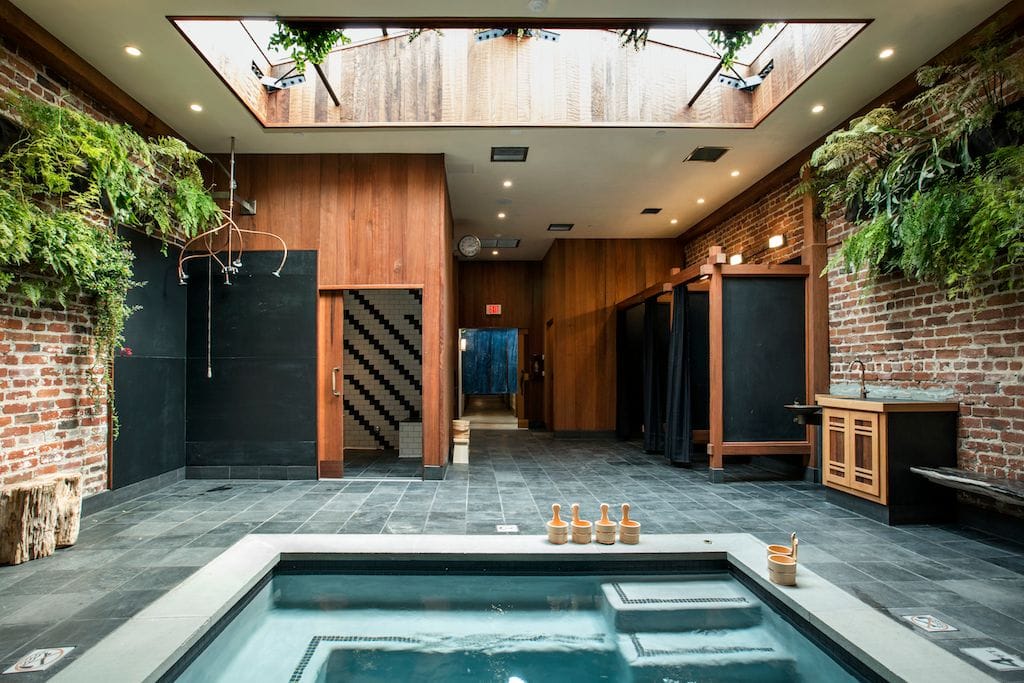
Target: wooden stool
(38, 516)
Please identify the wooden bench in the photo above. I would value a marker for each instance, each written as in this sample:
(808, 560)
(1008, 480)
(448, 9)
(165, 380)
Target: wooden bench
(1004, 490)
(38, 516)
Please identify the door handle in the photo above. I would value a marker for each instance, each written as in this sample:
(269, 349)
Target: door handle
(334, 381)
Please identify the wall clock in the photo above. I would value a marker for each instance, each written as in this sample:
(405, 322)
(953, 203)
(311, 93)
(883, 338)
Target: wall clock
(469, 246)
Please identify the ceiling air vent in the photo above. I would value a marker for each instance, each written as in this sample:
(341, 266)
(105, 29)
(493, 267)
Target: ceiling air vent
(651, 210)
(560, 227)
(502, 243)
(509, 153)
(711, 154)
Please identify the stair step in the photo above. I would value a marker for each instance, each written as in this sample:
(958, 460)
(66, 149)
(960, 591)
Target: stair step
(679, 605)
(741, 655)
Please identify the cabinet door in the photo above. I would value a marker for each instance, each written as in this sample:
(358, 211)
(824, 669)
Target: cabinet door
(863, 447)
(834, 447)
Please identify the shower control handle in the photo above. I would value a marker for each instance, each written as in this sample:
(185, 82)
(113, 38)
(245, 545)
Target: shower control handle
(334, 381)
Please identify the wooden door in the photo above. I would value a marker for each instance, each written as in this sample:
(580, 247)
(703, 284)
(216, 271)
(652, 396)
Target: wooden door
(547, 375)
(330, 407)
(834, 446)
(863, 448)
(522, 372)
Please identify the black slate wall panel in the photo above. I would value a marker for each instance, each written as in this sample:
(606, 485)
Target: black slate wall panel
(256, 415)
(149, 384)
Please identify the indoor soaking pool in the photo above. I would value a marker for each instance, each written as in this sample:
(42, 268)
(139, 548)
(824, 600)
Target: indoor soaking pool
(311, 623)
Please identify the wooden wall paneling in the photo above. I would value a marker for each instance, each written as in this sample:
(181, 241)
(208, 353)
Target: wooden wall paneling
(330, 411)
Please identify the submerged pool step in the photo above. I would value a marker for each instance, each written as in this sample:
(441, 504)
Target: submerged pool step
(678, 606)
(721, 656)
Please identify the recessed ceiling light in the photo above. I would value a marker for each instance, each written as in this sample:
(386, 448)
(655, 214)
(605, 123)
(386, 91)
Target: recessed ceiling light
(195, 106)
(494, 253)
(700, 200)
(817, 109)
(501, 214)
(734, 174)
(132, 50)
(886, 53)
(507, 183)
(674, 221)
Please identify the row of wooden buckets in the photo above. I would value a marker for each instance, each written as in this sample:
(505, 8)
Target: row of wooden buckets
(603, 530)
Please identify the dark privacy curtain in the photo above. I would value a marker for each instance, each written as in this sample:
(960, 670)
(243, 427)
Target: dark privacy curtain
(655, 352)
(678, 415)
(489, 363)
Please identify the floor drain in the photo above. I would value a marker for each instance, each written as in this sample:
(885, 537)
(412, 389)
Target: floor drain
(927, 622)
(508, 528)
(995, 658)
(39, 660)
(218, 488)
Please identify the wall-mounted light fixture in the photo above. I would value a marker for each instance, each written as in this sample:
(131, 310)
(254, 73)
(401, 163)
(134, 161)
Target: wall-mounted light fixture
(463, 343)
(776, 241)
(735, 259)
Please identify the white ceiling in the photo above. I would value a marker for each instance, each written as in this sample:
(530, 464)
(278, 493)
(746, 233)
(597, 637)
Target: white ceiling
(597, 178)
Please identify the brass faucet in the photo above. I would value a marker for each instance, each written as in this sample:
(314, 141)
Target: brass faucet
(863, 387)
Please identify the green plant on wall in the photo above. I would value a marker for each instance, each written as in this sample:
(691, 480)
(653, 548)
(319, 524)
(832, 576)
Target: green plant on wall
(729, 42)
(66, 185)
(309, 43)
(935, 189)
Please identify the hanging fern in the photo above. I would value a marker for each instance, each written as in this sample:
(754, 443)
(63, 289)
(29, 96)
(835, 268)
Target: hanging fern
(936, 200)
(633, 37)
(57, 181)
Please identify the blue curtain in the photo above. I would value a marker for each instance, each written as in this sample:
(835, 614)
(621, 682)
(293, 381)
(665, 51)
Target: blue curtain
(490, 361)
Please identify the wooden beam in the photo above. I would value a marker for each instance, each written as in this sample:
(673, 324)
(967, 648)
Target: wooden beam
(680, 276)
(716, 365)
(43, 47)
(765, 448)
(705, 84)
(815, 255)
(327, 84)
(652, 292)
(763, 269)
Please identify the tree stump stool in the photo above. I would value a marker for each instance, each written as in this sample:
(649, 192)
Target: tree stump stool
(39, 516)
(28, 521)
(68, 501)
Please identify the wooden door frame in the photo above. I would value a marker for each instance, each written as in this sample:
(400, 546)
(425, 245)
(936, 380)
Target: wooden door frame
(330, 395)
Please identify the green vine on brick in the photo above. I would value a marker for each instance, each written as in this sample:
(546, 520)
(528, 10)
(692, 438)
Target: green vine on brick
(65, 186)
(936, 198)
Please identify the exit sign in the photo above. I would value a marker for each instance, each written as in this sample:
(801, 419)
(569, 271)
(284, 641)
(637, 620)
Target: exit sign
(492, 309)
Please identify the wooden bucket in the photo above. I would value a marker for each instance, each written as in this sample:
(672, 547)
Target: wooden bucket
(782, 570)
(558, 533)
(604, 528)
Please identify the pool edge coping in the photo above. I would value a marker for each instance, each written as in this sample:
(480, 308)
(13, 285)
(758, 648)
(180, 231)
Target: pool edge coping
(165, 630)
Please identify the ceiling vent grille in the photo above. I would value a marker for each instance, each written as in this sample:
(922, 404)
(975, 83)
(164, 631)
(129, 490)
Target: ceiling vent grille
(709, 154)
(560, 227)
(502, 243)
(509, 153)
(651, 210)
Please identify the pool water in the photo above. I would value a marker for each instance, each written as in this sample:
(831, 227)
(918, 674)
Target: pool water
(322, 628)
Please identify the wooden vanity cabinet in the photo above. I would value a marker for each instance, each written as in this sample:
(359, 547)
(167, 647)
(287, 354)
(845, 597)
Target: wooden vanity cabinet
(867, 450)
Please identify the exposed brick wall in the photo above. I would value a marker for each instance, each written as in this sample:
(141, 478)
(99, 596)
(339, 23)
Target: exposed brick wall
(914, 338)
(49, 420)
(777, 212)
